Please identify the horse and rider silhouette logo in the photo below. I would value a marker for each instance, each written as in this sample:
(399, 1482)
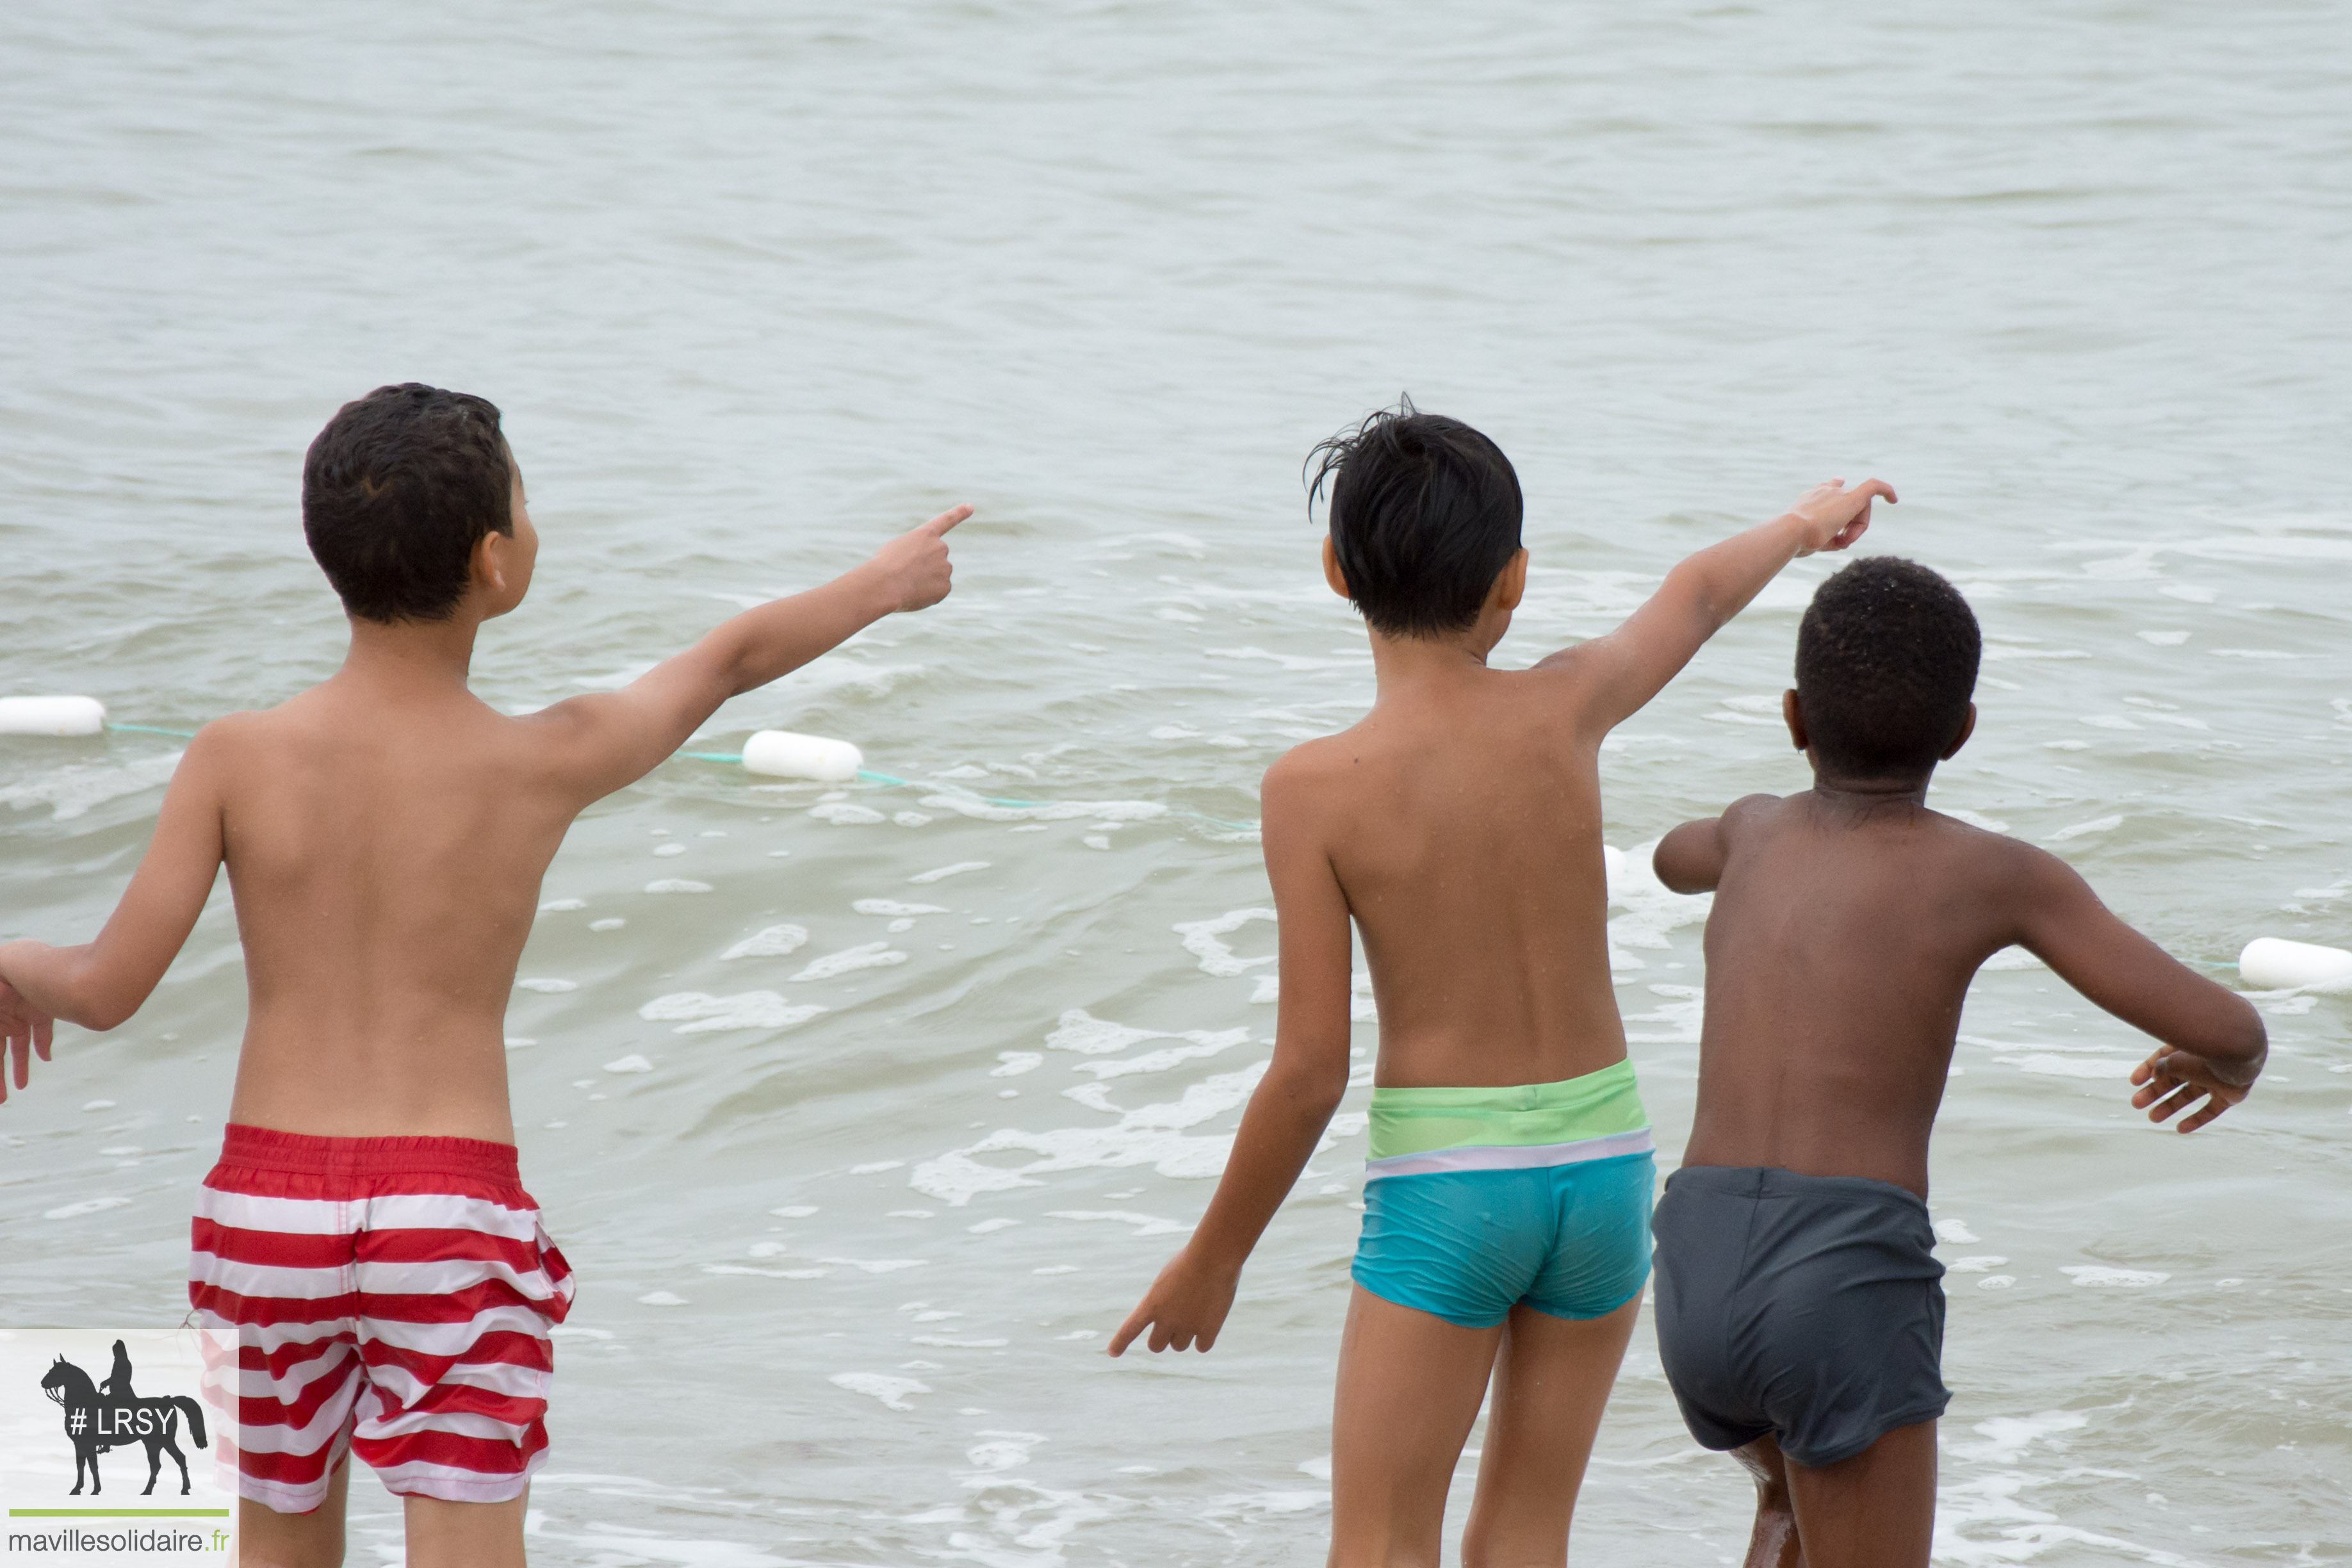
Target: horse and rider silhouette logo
(111, 1416)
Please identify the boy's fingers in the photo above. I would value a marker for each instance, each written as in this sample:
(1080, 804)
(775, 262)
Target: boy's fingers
(1876, 487)
(946, 520)
(1129, 1329)
(2214, 1108)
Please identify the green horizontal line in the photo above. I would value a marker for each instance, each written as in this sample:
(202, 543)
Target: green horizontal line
(118, 1513)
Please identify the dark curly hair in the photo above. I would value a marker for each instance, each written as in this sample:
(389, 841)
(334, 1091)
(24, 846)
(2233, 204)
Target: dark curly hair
(397, 491)
(1425, 514)
(1886, 661)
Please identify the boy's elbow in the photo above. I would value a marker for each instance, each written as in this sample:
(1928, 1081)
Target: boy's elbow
(104, 1012)
(2249, 1042)
(106, 1002)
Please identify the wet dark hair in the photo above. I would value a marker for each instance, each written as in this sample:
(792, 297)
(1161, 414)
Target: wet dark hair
(1424, 514)
(397, 491)
(1886, 661)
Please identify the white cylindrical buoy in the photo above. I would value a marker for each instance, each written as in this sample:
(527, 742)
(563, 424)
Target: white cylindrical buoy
(783, 754)
(2274, 963)
(51, 716)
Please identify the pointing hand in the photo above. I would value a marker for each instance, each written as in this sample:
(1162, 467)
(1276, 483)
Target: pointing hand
(1832, 517)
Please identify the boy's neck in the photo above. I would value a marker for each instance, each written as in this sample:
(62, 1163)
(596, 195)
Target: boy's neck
(1870, 793)
(419, 657)
(1405, 663)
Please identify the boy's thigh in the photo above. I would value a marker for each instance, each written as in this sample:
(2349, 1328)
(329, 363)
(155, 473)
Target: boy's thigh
(465, 1534)
(267, 1538)
(1874, 1510)
(1410, 1386)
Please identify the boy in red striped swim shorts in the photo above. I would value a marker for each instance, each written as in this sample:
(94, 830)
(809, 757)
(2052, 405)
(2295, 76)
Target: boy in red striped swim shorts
(365, 1241)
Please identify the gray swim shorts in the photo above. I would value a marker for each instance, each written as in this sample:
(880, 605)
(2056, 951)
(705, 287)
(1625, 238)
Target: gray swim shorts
(1807, 1307)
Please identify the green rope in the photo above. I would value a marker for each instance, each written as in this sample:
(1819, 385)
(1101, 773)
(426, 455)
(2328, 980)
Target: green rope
(152, 730)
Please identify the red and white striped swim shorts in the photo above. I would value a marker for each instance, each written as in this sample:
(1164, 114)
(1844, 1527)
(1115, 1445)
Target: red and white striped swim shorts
(387, 1297)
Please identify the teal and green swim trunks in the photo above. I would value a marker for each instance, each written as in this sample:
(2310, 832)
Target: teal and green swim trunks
(1478, 1199)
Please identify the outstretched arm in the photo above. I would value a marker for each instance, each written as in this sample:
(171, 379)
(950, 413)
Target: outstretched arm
(1690, 859)
(611, 738)
(101, 984)
(1633, 664)
(2214, 1043)
(1293, 1103)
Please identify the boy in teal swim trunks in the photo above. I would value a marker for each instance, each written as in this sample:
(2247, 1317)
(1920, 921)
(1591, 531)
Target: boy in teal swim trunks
(1505, 1231)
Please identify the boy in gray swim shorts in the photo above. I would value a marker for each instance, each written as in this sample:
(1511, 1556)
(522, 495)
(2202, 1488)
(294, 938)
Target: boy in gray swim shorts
(1800, 1314)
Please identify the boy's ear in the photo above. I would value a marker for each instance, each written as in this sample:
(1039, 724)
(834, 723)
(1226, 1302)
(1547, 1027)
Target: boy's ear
(1793, 711)
(501, 571)
(1510, 583)
(1967, 728)
(1331, 573)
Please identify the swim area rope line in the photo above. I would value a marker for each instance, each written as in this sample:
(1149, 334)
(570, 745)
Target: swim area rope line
(2267, 963)
(776, 753)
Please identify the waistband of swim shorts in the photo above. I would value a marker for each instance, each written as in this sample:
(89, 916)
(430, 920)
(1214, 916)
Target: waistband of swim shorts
(1772, 1181)
(266, 1149)
(1596, 1115)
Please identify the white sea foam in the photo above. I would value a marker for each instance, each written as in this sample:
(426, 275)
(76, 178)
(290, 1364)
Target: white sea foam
(678, 885)
(1204, 939)
(2046, 1063)
(546, 986)
(773, 941)
(875, 1265)
(942, 873)
(847, 813)
(1651, 909)
(1152, 1135)
(891, 1391)
(1013, 1064)
(895, 907)
(2101, 1276)
(629, 1064)
(869, 955)
(707, 1014)
(2081, 830)
(72, 791)
(972, 805)
(1144, 1224)
(557, 906)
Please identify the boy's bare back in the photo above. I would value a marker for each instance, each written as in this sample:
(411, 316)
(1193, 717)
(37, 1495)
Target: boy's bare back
(1463, 825)
(1847, 925)
(385, 858)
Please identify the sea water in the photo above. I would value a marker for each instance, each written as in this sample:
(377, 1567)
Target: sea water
(866, 1112)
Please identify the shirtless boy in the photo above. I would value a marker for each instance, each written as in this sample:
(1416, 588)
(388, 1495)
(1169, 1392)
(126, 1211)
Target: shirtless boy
(365, 1234)
(1506, 1229)
(1799, 1312)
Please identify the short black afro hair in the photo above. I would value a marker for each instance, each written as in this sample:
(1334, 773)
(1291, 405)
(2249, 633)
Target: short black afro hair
(1886, 662)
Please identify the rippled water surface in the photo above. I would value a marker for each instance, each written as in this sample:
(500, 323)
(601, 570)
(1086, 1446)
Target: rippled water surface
(757, 286)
